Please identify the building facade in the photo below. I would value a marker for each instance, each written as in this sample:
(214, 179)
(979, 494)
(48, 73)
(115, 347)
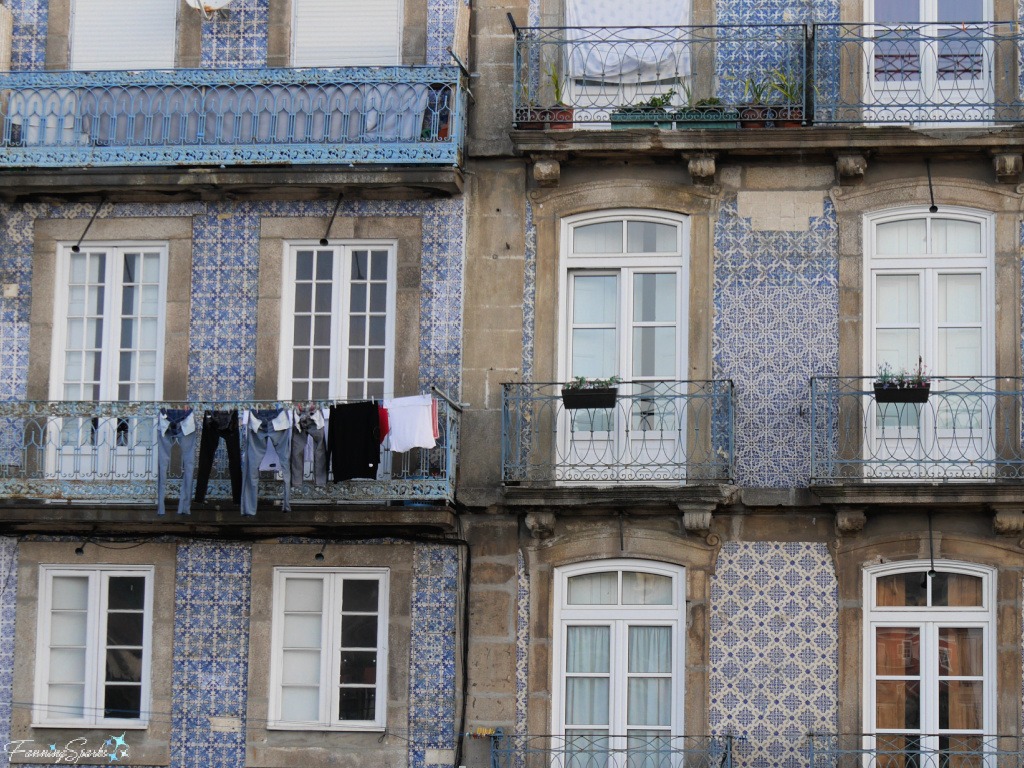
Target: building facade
(743, 215)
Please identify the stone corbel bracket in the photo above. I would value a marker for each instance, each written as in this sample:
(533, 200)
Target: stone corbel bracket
(547, 169)
(541, 524)
(851, 168)
(850, 520)
(697, 518)
(702, 169)
(1008, 520)
(1008, 167)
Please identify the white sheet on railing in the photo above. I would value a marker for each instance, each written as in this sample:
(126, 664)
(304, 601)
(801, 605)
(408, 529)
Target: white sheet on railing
(641, 57)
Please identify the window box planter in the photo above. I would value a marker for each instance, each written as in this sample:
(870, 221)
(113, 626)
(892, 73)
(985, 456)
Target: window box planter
(555, 119)
(902, 394)
(707, 117)
(789, 117)
(640, 117)
(578, 399)
(755, 117)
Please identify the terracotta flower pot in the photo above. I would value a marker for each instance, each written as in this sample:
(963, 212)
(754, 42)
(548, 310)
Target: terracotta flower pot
(754, 117)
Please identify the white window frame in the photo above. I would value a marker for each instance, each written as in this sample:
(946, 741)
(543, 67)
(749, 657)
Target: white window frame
(621, 617)
(396, 61)
(111, 311)
(340, 328)
(96, 647)
(330, 640)
(928, 618)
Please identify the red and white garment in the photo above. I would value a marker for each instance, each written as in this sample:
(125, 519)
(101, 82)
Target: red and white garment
(413, 422)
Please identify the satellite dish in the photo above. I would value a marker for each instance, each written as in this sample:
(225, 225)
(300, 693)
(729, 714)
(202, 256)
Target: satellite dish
(208, 7)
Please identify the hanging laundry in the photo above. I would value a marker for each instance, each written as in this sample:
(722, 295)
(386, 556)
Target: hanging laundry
(308, 438)
(273, 427)
(175, 425)
(382, 412)
(413, 422)
(354, 441)
(217, 425)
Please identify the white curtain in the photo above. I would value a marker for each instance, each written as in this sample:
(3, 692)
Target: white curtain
(649, 699)
(594, 589)
(646, 589)
(586, 698)
(636, 55)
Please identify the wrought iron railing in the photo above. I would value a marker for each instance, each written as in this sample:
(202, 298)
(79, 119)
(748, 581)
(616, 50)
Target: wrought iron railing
(395, 115)
(108, 451)
(918, 73)
(576, 76)
(657, 432)
(892, 750)
(640, 749)
(781, 75)
(968, 429)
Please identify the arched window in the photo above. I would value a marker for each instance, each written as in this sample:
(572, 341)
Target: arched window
(618, 659)
(929, 661)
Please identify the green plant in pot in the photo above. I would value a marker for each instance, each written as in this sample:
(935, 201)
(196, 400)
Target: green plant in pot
(785, 83)
(533, 115)
(561, 114)
(755, 111)
(651, 113)
(709, 112)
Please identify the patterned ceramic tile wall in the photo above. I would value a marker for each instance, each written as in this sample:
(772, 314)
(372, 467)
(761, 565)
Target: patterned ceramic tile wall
(238, 41)
(435, 585)
(28, 38)
(211, 653)
(774, 665)
(522, 643)
(225, 271)
(776, 302)
(529, 293)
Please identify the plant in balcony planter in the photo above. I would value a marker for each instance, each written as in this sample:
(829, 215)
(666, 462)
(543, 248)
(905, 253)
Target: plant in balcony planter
(537, 117)
(790, 113)
(706, 113)
(902, 386)
(755, 96)
(652, 113)
(582, 392)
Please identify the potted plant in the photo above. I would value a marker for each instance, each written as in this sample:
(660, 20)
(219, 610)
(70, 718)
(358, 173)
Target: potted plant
(582, 392)
(790, 114)
(645, 114)
(561, 115)
(536, 117)
(707, 113)
(755, 97)
(902, 386)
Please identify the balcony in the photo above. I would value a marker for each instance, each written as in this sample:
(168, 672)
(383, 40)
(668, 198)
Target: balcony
(782, 77)
(395, 116)
(668, 433)
(968, 430)
(105, 453)
(893, 750)
(603, 751)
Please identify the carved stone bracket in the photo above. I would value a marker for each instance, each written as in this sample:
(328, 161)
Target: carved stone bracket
(547, 172)
(1008, 167)
(850, 520)
(541, 524)
(851, 169)
(1008, 521)
(702, 170)
(697, 518)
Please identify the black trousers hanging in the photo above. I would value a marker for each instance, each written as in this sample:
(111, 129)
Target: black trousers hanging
(354, 441)
(217, 425)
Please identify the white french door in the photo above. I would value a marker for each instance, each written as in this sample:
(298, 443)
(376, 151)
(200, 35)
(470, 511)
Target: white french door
(109, 329)
(928, 60)
(931, 302)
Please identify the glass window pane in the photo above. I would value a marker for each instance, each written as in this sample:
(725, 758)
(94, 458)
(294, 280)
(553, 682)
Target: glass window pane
(587, 649)
(900, 348)
(897, 704)
(300, 363)
(379, 265)
(324, 292)
(654, 352)
(379, 297)
(68, 628)
(646, 589)
(957, 590)
(959, 298)
(378, 326)
(961, 704)
(950, 236)
(325, 265)
(303, 595)
(902, 589)
(359, 265)
(901, 238)
(897, 651)
(593, 352)
(651, 237)
(124, 628)
(586, 701)
(300, 704)
(359, 667)
(302, 630)
(605, 237)
(961, 10)
(300, 667)
(594, 299)
(593, 589)
(357, 300)
(356, 363)
(304, 265)
(126, 593)
(650, 650)
(301, 333)
(357, 703)
(961, 651)
(122, 701)
(357, 330)
(67, 665)
(897, 299)
(654, 298)
(959, 352)
(897, 10)
(649, 701)
(67, 700)
(360, 595)
(124, 665)
(304, 297)
(70, 592)
(587, 748)
(358, 631)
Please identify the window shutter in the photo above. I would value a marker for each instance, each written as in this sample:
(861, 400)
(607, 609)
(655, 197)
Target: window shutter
(344, 33)
(123, 34)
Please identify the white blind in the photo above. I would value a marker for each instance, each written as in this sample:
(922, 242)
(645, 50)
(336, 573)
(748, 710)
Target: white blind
(123, 34)
(343, 33)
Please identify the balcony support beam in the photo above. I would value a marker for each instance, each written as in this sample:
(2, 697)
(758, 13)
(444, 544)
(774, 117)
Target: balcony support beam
(850, 520)
(702, 169)
(1008, 520)
(1008, 167)
(851, 169)
(697, 518)
(547, 171)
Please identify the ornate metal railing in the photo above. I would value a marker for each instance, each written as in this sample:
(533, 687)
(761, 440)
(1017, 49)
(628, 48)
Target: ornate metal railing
(604, 751)
(968, 429)
(395, 115)
(918, 73)
(667, 432)
(108, 451)
(891, 750)
(781, 75)
(566, 76)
